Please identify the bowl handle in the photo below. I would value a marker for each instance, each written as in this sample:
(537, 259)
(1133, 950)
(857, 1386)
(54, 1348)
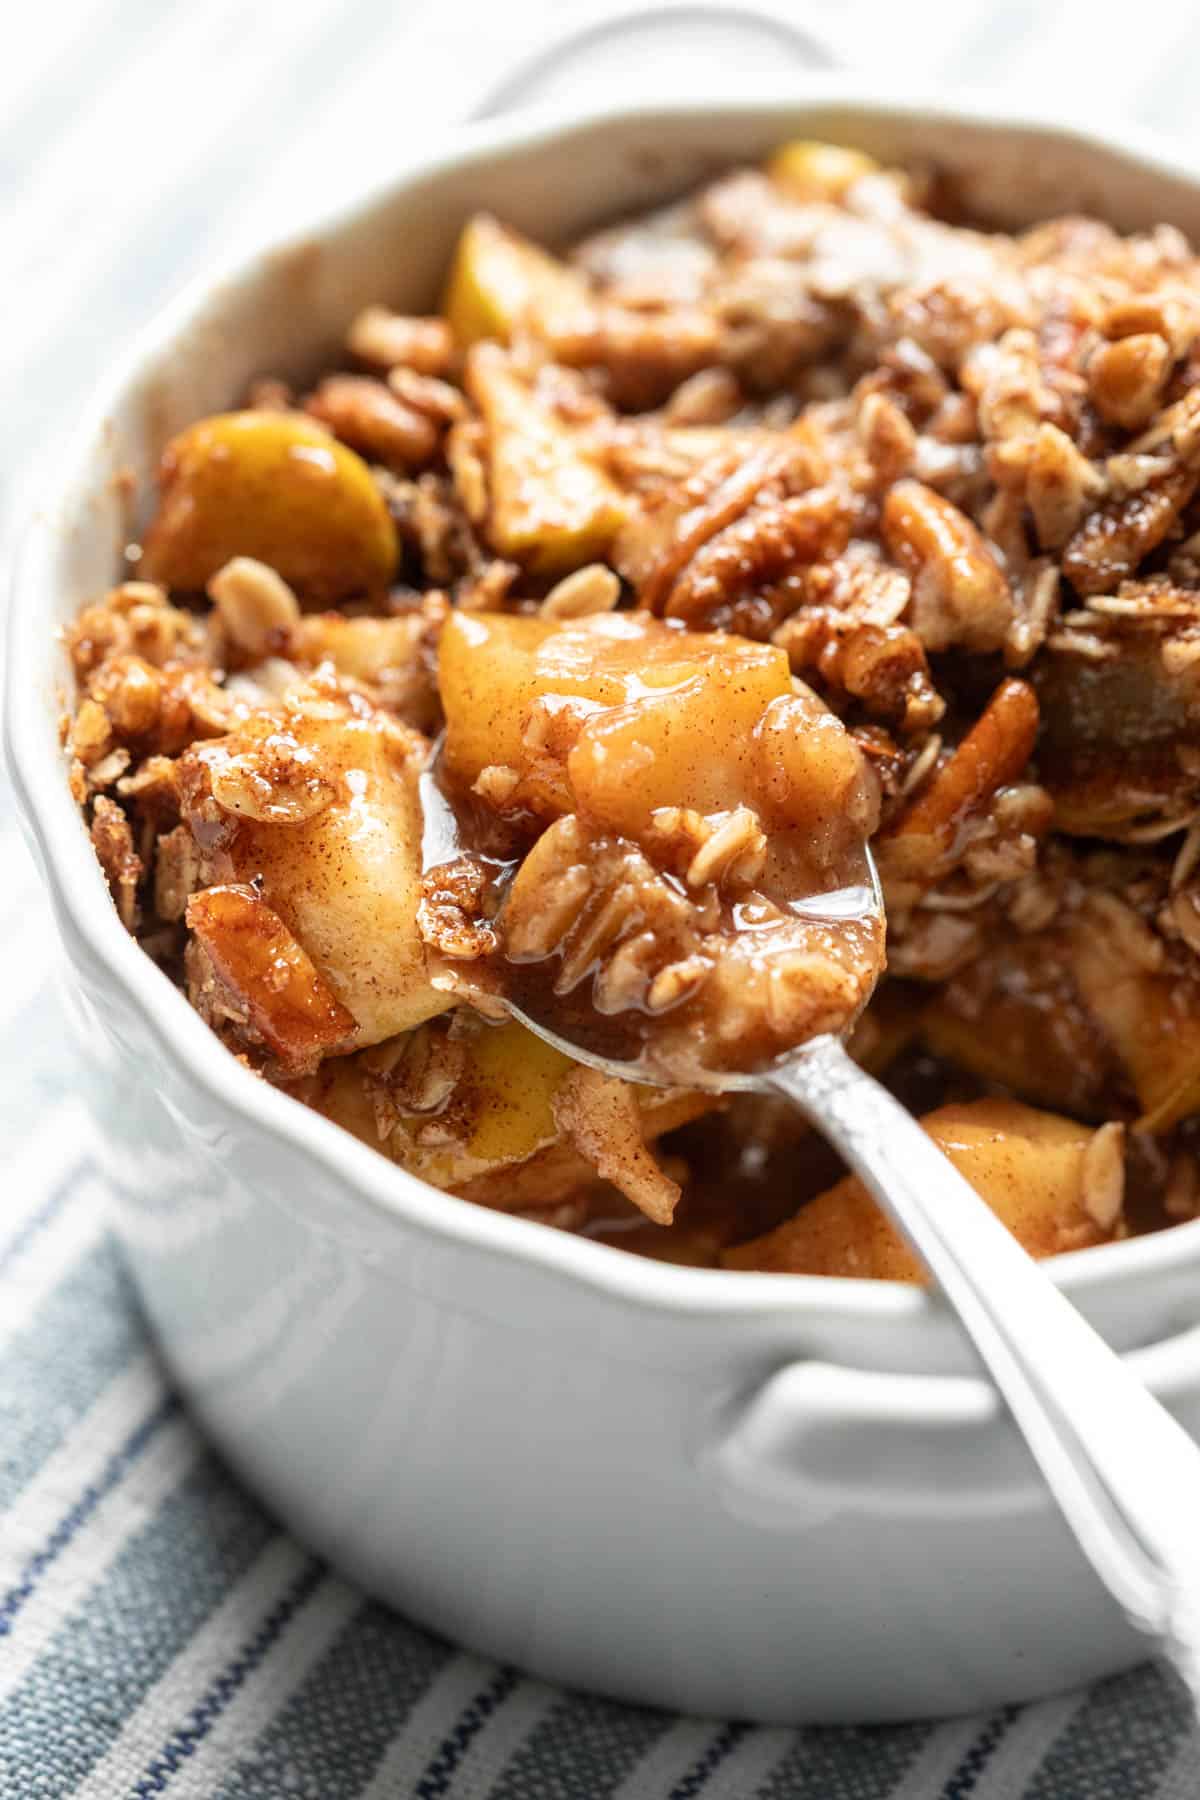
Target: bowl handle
(815, 1438)
(689, 37)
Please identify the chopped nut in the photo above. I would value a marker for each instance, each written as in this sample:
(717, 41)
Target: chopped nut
(536, 932)
(133, 594)
(91, 734)
(386, 340)
(1126, 378)
(960, 595)
(450, 913)
(593, 589)
(258, 608)
(438, 400)
(708, 397)
(276, 781)
(1061, 485)
(887, 437)
(622, 982)
(496, 784)
(1111, 542)
(1102, 1173)
(131, 692)
(369, 417)
(1172, 319)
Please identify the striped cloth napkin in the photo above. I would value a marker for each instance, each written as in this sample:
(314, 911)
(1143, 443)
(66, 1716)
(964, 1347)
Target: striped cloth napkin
(158, 1633)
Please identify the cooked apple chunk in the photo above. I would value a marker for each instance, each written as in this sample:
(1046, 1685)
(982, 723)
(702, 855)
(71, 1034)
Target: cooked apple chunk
(620, 716)
(475, 1111)
(551, 506)
(315, 804)
(267, 981)
(1056, 1184)
(499, 282)
(276, 487)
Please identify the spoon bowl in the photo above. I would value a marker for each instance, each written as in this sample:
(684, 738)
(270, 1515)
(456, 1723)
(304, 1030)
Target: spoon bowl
(570, 1023)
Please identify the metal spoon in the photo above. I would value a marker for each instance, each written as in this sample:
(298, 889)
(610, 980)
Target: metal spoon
(1125, 1475)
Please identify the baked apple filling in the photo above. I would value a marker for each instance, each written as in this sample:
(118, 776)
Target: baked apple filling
(801, 512)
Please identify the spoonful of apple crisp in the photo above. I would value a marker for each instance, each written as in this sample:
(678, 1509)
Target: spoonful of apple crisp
(650, 843)
(650, 846)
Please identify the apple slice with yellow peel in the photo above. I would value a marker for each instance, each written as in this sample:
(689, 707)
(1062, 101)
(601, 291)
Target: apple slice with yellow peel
(551, 507)
(276, 487)
(498, 280)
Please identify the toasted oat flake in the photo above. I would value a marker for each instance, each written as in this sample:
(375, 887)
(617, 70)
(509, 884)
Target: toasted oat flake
(733, 852)
(922, 765)
(677, 982)
(258, 608)
(1102, 1174)
(594, 589)
(104, 773)
(176, 872)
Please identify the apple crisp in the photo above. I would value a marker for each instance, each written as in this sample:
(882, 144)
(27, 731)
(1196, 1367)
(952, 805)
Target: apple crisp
(801, 511)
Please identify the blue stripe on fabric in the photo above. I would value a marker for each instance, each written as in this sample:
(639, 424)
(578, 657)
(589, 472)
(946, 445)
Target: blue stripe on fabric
(965, 1779)
(37, 1221)
(845, 1763)
(204, 1715)
(82, 1509)
(126, 1632)
(586, 1747)
(1120, 1743)
(697, 1777)
(86, 1330)
(434, 1784)
(338, 1725)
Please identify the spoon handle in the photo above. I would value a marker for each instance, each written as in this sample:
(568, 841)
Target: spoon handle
(1125, 1475)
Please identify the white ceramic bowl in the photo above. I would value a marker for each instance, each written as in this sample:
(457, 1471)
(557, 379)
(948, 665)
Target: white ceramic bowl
(740, 1494)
